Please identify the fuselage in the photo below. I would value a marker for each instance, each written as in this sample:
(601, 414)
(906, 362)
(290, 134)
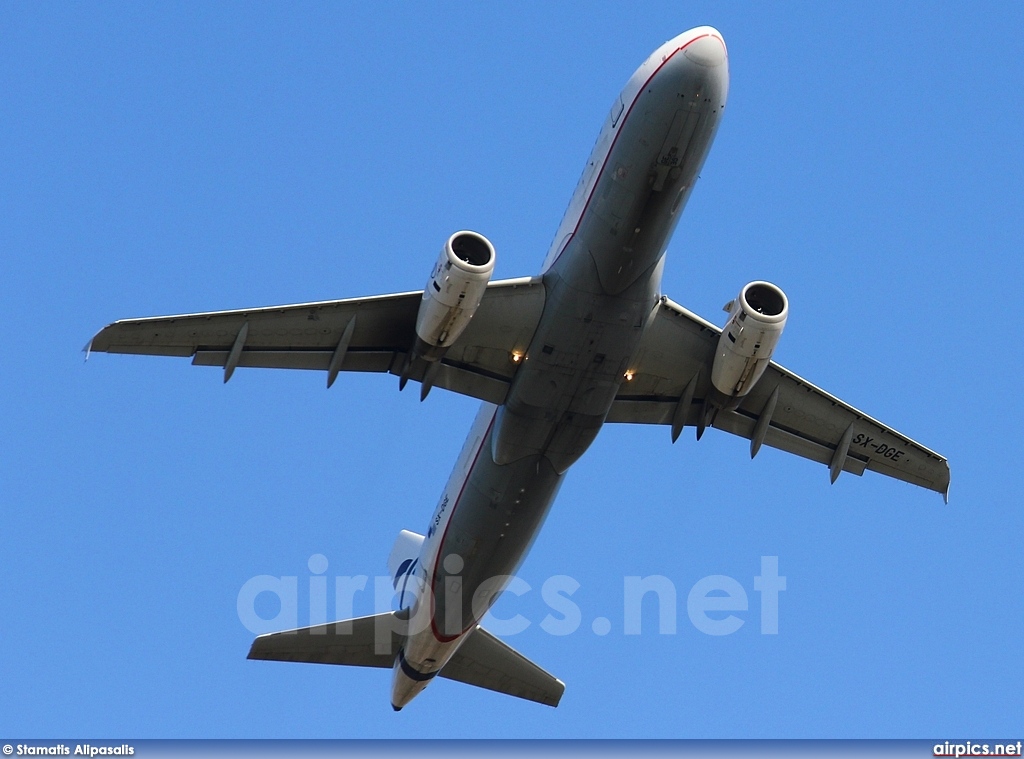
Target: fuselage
(602, 280)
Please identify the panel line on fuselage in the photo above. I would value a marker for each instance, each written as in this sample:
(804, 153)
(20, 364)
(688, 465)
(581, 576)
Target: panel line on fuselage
(440, 546)
(619, 129)
(557, 403)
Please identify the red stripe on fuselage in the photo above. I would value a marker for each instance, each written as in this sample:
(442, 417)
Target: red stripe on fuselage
(622, 126)
(440, 546)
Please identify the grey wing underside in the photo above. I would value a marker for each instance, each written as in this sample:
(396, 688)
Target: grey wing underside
(806, 420)
(374, 334)
(359, 335)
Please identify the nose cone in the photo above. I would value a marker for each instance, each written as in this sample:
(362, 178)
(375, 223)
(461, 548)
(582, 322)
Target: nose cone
(707, 50)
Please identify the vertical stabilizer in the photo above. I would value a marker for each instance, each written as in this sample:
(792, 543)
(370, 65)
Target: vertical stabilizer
(403, 564)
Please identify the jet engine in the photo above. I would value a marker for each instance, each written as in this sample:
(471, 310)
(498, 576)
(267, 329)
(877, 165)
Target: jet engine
(453, 292)
(756, 320)
(451, 298)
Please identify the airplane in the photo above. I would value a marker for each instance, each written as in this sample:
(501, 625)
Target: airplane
(590, 340)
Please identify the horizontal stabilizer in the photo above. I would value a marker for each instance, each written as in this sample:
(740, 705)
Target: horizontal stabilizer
(482, 660)
(488, 662)
(362, 642)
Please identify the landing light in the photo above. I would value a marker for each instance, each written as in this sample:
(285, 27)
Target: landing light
(516, 357)
(628, 375)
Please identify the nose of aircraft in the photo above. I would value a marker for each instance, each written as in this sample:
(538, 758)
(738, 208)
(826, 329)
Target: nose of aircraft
(707, 50)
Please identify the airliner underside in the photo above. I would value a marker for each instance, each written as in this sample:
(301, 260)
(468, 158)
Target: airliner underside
(589, 340)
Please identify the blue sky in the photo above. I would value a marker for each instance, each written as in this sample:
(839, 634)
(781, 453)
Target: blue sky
(162, 158)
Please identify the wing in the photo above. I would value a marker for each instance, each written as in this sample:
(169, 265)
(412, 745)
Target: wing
(800, 417)
(359, 334)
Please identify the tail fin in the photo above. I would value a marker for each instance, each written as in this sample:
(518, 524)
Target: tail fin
(405, 551)
(481, 660)
(403, 563)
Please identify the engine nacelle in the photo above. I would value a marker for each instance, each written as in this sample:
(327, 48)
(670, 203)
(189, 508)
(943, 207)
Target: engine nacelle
(756, 320)
(453, 292)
